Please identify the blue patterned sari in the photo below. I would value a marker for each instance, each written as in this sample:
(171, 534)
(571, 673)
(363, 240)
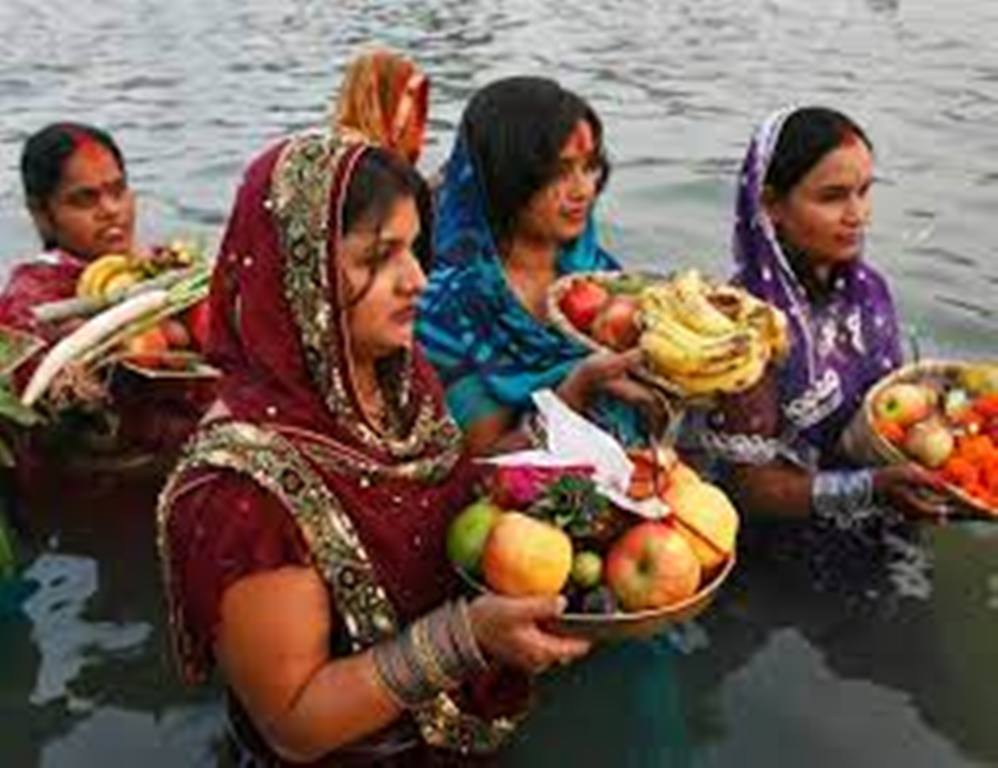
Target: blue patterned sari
(621, 705)
(488, 350)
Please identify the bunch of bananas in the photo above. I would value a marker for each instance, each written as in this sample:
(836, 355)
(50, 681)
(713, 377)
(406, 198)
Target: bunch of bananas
(109, 275)
(708, 339)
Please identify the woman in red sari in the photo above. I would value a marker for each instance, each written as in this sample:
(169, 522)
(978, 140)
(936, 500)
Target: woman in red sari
(303, 531)
(77, 192)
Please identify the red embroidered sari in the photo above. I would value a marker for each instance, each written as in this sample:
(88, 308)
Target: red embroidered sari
(51, 277)
(295, 473)
(152, 417)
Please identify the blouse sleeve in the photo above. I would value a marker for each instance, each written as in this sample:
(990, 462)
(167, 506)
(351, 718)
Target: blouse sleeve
(222, 530)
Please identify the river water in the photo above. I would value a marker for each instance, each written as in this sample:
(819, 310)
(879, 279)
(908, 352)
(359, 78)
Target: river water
(775, 675)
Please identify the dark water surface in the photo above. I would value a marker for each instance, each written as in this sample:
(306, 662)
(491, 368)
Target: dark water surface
(777, 674)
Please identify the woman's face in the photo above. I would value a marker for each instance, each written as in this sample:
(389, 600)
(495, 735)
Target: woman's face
(558, 211)
(826, 213)
(92, 210)
(379, 264)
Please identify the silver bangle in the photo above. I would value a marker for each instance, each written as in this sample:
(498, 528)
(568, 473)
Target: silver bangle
(842, 498)
(435, 653)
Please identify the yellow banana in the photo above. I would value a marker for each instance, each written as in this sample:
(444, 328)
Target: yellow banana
(670, 351)
(98, 272)
(729, 382)
(689, 300)
(119, 282)
(663, 316)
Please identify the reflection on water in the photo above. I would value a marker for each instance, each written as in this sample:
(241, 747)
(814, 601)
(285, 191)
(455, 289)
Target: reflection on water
(192, 88)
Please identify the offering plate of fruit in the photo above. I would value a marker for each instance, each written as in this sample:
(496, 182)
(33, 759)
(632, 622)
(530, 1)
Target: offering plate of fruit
(700, 338)
(944, 416)
(542, 530)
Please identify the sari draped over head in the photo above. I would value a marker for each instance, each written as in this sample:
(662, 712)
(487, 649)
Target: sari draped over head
(370, 503)
(841, 344)
(382, 92)
(489, 351)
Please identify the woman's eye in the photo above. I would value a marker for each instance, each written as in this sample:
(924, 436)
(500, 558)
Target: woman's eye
(83, 198)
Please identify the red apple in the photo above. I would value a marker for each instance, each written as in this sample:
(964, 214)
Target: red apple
(652, 566)
(582, 302)
(616, 325)
(199, 320)
(904, 403)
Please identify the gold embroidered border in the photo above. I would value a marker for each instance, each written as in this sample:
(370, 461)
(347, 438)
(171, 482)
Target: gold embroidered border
(276, 465)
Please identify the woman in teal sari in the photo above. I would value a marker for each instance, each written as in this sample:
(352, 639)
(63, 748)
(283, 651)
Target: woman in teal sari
(514, 214)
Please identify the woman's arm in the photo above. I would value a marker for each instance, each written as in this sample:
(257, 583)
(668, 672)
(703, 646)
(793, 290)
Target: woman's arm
(273, 647)
(501, 431)
(774, 491)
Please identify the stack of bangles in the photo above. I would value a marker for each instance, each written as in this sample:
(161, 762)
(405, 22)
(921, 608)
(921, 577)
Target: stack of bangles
(842, 497)
(435, 653)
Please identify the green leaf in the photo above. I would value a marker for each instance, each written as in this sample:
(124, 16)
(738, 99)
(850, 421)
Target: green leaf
(12, 410)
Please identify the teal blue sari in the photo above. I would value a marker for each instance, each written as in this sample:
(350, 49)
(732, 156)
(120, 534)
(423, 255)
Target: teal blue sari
(620, 706)
(488, 350)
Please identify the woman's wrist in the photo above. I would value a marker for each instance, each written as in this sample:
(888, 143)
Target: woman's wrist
(433, 654)
(842, 497)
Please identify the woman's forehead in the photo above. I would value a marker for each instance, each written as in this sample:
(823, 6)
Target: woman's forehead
(91, 164)
(580, 141)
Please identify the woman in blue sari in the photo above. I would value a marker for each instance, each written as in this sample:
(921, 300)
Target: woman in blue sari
(514, 214)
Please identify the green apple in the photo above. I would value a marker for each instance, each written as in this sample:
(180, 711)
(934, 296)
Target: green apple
(904, 403)
(587, 569)
(468, 532)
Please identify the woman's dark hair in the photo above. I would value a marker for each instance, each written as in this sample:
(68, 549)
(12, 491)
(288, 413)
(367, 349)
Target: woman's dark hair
(45, 154)
(380, 180)
(807, 136)
(515, 129)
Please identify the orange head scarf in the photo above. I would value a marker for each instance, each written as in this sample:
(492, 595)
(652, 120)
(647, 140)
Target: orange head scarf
(384, 100)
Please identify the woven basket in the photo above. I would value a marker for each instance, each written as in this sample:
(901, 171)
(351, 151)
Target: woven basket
(862, 442)
(557, 318)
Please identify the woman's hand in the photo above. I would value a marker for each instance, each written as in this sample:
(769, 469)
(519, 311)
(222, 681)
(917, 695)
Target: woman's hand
(912, 490)
(509, 629)
(610, 372)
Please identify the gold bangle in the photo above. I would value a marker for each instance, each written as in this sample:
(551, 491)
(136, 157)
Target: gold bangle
(426, 653)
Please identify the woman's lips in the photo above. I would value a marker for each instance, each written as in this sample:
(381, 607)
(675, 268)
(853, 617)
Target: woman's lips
(113, 235)
(405, 316)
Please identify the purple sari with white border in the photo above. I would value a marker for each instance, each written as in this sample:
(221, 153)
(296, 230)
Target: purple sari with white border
(841, 344)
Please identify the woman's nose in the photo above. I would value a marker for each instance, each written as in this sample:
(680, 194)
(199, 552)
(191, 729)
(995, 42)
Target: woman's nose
(857, 210)
(413, 279)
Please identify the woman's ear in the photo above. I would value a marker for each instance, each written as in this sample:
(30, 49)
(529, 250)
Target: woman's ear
(772, 205)
(43, 220)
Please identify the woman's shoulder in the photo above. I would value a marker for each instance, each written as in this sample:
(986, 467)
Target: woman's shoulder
(229, 518)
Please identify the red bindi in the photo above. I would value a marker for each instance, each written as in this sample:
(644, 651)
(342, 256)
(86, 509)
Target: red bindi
(581, 141)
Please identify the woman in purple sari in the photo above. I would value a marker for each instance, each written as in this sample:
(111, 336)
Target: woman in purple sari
(802, 208)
